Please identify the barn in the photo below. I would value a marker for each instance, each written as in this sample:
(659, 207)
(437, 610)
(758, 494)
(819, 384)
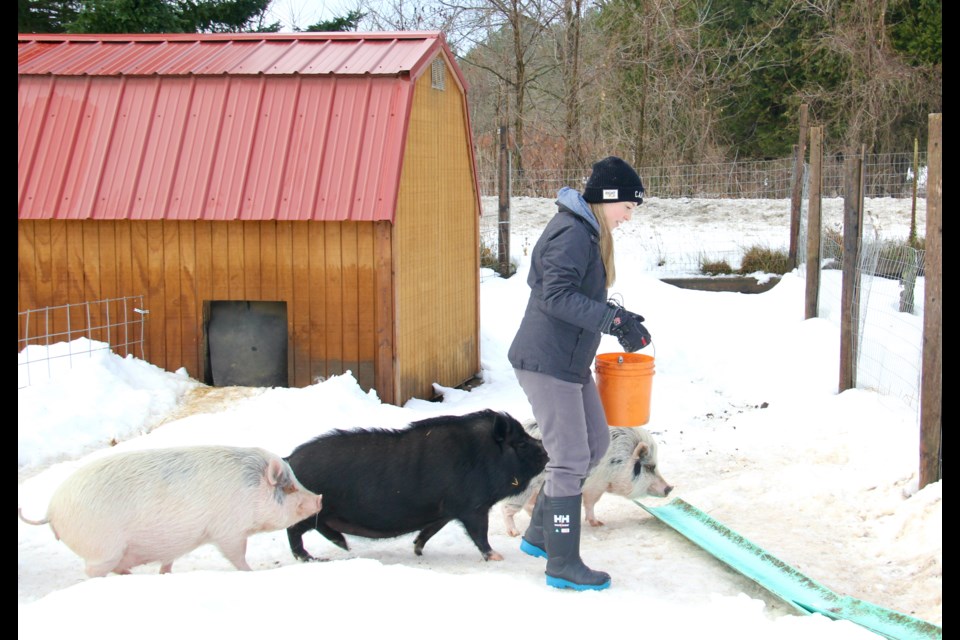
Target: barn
(289, 207)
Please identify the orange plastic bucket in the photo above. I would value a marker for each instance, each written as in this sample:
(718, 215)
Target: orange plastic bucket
(625, 381)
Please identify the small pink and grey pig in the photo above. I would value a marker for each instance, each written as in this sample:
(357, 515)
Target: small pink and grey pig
(155, 505)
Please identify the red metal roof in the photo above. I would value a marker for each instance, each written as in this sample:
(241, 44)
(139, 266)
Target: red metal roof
(306, 126)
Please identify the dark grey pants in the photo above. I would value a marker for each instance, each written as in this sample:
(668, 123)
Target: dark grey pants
(573, 425)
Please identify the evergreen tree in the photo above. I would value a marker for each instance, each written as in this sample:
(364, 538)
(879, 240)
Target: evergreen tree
(44, 16)
(348, 22)
(143, 16)
(916, 30)
(779, 57)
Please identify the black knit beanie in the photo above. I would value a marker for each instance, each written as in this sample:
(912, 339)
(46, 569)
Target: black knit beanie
(613, 180)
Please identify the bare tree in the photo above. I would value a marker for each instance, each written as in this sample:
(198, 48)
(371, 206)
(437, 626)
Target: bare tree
(879, 92)
(573, 153)
(659, 81)
(506, 39)
(418, 15)
(672, 67)
(668, 81)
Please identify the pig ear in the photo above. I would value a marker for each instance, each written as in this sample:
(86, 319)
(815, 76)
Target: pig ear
(500, 427)
(640, 451)
(277, 473)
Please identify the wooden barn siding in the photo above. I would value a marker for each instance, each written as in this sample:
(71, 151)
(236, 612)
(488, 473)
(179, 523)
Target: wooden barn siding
(325, 272)
(437, 247)
(41, 279)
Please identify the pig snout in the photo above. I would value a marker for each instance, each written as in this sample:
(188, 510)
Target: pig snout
(296, 502)
(297, 505)
(301, 504)
(658, 486)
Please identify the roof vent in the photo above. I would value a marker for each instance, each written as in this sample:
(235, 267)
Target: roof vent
(437, 74)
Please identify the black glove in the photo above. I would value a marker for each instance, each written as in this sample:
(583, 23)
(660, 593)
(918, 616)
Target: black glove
(628, 329)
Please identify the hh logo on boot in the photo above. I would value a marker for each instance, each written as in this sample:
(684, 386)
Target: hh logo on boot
(561, 524)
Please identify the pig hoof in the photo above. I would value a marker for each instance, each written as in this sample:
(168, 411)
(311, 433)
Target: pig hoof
(513, 533)
(492, 555)
(595, 523)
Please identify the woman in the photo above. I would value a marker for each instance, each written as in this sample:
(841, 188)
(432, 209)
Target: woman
(571, 268)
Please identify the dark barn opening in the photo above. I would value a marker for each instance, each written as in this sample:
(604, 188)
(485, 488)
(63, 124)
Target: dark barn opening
(246, 343)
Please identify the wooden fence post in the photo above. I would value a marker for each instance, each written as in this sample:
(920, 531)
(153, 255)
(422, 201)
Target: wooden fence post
(850, 287)
(908, 279)
(814, 231)
(503, 215)
(931, 387)
(912, 238)
(796, 194)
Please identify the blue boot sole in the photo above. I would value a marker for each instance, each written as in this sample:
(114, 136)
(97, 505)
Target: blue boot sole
(532, 550)
(560, 583)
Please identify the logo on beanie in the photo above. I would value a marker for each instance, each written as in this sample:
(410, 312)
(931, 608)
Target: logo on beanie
(610, 194)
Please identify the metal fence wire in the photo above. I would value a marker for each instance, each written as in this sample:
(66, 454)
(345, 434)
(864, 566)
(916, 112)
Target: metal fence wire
(888, 298)
(890, 175)
(80, 330)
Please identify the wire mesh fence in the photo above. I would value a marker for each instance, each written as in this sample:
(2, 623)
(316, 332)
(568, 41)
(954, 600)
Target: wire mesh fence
(894, 175)
(51, 338)
(888, 299)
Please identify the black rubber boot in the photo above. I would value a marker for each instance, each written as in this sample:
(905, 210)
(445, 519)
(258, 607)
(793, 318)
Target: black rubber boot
(533, 542)
(565, 569)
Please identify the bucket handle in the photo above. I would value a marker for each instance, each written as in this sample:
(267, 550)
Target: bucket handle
(654, 356)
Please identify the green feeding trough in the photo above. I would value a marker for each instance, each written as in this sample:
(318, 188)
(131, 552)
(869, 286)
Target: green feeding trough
(784, 581)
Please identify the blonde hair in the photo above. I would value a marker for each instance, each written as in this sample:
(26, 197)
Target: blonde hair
(606, 242)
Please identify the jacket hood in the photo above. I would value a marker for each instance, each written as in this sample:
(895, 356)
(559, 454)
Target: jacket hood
(572, 201)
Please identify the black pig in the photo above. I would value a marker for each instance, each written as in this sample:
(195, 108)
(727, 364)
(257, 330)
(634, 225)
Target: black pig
(382, 483)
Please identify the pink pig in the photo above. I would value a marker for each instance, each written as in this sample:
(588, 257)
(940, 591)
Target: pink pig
(628, 469)
(133, 508)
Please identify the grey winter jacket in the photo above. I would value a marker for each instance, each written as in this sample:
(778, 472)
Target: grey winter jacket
(561, 327)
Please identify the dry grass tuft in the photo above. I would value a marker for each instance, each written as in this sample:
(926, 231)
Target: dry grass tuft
(764, 260)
